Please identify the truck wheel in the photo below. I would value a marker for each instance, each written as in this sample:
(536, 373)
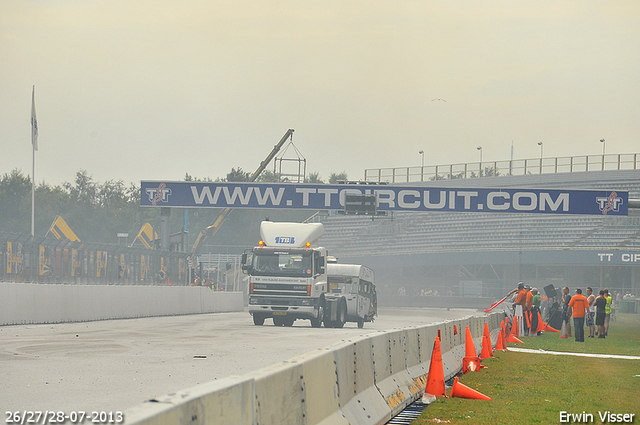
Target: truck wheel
(258, 320)
(278, 321)
(342, 314)
(317, 322)
(360, 323)
(328, 312)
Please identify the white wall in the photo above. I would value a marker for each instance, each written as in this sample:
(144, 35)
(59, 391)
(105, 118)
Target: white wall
(23, 303)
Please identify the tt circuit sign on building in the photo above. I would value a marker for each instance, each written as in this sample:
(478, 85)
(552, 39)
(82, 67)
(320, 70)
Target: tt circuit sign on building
(387, 198)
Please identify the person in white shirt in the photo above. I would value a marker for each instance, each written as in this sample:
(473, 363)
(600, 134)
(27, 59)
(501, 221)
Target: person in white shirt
(592, 312)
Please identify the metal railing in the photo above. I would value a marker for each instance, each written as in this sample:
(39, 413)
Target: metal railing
(568, 164)
(224, 271)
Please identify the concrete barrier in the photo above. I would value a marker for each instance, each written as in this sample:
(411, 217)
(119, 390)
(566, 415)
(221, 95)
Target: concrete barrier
(361, 382)
(321, 389)
(360, 399)
(28, 303)
(226, 401)
(281, 394)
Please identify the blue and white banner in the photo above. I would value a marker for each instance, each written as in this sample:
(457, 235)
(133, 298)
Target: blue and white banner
(389, 198)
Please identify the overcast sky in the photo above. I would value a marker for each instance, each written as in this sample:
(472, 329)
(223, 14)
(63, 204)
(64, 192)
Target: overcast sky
(153, 89)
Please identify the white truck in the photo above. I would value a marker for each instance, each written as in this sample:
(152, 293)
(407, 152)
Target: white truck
(289, 279)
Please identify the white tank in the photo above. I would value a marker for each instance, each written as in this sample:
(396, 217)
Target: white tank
(291, 235)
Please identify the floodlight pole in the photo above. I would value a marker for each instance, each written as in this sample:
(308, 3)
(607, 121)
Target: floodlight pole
(541, 146)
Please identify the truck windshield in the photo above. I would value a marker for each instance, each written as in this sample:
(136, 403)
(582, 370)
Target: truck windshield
(282, 263)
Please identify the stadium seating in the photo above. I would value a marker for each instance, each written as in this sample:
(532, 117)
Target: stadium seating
(425, 232)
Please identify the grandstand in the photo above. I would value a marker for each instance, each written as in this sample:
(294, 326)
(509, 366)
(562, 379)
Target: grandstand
(421, 251)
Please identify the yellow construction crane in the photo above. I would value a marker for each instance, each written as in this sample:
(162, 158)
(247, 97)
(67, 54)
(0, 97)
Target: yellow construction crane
(211, 230)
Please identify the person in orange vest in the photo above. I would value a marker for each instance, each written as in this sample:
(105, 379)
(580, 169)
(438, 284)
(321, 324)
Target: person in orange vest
(580, 306)
(528, 301)
(518, 306)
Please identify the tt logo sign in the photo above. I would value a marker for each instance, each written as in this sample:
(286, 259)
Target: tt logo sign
(159, 194)
(610, 203)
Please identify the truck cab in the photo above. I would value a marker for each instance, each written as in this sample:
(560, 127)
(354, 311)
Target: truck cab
(287, 274)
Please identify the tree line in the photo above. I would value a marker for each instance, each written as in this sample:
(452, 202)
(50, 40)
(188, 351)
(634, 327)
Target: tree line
(97, 212)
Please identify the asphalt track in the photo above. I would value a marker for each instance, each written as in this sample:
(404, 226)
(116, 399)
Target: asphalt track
(113, 365)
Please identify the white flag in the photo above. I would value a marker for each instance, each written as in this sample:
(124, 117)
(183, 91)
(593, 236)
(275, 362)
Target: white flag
(34, 121)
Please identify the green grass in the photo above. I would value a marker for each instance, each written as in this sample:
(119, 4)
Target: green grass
(624, 338)
(534, 388)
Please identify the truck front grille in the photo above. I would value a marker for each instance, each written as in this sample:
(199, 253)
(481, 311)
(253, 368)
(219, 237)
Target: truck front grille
(279, 289)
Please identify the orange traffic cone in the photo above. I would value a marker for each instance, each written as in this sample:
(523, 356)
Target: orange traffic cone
(548, 328)
(469, 347)
(487, 334)
(471, 361)
(540, 323)
(514, 340)
(486, 331)
(527, 318)
(500, 344)
(563, 332)
(462, 391)
(513, 336)
(486, 349)
(435, 379)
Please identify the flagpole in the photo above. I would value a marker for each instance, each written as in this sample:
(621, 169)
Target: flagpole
(33, 192)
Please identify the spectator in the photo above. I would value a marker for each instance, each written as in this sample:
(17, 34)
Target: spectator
(161, 277)
(600, 304)
(565, 309)
(580, 307)
(518, 306)
(535, 309)
(607, 312)
(592, 311)
(527, 309)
